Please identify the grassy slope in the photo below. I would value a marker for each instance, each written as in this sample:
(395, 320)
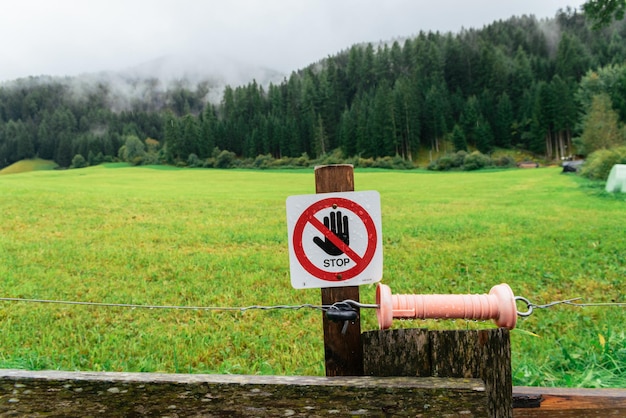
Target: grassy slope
(29, 165)
(218, 238)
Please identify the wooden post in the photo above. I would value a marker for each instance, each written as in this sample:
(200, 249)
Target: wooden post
(343, 353)
(484, 354)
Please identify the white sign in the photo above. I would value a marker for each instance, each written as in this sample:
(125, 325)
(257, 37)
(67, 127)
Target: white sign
(335, 239)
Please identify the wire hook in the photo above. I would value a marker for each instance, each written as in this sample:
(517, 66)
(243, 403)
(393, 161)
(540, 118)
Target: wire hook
(529, 306)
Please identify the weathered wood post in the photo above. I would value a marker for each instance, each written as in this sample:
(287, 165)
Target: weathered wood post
(343, 354)
(484, 354)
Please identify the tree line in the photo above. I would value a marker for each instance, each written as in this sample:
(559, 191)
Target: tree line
(521, 83)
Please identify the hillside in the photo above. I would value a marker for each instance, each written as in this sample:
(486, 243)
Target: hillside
(522, 84)
(29, 165)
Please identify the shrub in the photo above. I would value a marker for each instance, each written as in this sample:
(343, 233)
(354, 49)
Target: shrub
(400, 163)
(133, 150)
(303, 160)
(459, 158)
(193, 161)
(138, 160)
(384, 162)
(334, 157)
(225, 159)
(504, 161)
(443, 163)
(476, 161)
(263, 161)
(364, 162)
(78, 161)
(599, 163)
(448, 161)
(97, 159)
(151, 158)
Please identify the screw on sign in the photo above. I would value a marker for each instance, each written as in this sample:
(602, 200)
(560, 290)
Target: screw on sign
(335, 239)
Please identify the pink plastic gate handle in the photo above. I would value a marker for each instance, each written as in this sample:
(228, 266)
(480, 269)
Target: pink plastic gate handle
(498, 305)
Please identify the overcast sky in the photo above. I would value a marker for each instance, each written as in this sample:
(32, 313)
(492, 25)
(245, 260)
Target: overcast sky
(70, 37)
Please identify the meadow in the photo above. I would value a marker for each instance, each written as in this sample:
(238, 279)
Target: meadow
(206, 237)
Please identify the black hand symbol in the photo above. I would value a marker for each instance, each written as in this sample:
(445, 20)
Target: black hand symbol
(338, 225)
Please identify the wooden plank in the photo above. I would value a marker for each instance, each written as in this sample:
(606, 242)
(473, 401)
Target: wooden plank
(342, 352)
(569, 402)
(76, 394)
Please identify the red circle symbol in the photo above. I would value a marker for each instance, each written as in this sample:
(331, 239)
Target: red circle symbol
(308, 217)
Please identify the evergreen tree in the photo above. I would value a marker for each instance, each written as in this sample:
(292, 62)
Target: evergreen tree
(484, 136)
(320, 138)
(173, 138)
(383, 123)
(407, 105)
(207, 131)
(190, 137)
(470, 119)
(435, 115)
(63, 155)
(347, 132)
(25, 147)
(572, 58)
(601, 127)
(458, 138)
(503, 121)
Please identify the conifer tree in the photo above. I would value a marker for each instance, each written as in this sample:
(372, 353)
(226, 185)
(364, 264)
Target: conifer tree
(601, 127)
(458, 138)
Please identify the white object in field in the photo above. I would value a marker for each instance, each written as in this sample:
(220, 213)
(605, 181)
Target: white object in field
(617, 179)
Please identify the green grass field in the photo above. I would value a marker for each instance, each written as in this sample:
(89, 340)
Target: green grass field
(196, 237)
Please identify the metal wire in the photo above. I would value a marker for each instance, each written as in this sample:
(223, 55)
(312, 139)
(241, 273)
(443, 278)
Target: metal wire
(530, 307)
(347, 304)
(336, 305)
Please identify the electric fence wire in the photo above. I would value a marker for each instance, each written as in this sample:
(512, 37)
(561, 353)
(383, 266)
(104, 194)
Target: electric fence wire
(530, 307)
(345, 304)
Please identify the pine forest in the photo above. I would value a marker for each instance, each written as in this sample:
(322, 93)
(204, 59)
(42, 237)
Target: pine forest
(520, 84)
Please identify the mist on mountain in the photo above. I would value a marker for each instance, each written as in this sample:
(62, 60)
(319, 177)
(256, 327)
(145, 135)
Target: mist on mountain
(148, 85)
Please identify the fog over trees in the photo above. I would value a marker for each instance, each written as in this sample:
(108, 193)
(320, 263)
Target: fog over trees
(521, 83)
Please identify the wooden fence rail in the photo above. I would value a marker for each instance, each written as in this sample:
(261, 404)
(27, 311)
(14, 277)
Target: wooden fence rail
(536, 402)
(81, 394)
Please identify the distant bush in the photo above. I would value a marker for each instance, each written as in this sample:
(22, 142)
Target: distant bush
(384, 162)
(443, 163)
(334, 157)
(399, 163)
(476, 161)
(79, 162)
(504, 161)
(263, 161)
(193, 161)
(394, 163)
(598, 164)
(133, 150)
(462, 160)
(151, 158)
(225, 159)
(459, 158)
(363, 162)
(303, 160)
